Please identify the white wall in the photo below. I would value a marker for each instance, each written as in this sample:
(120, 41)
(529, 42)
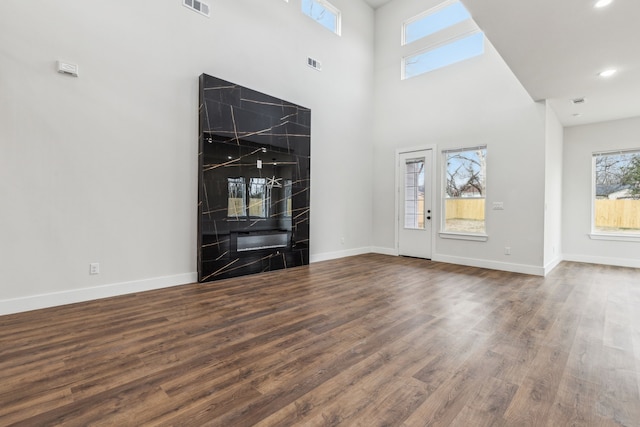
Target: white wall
(478, 101)
(580, 142)
(103, 168)
(553, 190)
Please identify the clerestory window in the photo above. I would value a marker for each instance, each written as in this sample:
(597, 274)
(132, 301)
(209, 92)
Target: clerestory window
(324, 13)
(442, 36)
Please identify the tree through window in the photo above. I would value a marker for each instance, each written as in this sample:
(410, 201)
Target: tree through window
(465, 190)
(616, 205)
(323, 13)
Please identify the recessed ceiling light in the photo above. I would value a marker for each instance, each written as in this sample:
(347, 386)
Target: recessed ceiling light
(602, 3)
(607, 73)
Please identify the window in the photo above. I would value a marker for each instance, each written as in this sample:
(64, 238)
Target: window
(442, 36)
(434, 21)
(237, 199)
(414, 194)
(324, 13)
(432, 59)
(465, 189)
(616, 190)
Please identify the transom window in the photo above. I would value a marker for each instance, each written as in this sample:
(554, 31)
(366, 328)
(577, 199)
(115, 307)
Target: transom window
(616, 193)
(323, 13)
(442, 36)
(465, 189)
(433, 21)
(448, 54)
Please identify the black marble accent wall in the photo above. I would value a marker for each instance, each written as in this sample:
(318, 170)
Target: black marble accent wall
(254, 176)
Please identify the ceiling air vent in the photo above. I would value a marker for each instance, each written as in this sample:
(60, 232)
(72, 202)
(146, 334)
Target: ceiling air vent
(315, 64)
(198, 6)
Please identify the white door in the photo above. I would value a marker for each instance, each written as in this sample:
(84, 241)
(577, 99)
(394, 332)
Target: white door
(414, 203)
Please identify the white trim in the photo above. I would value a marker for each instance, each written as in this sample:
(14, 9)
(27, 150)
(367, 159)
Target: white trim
(384, 251)
(616, 261)
(602, 236)
(479, 237)
(464, 236)
(593, 191)
(36, 302)
(615, 237)
(326, 256)
(399, 180)
(492, 265)
(429, 12)
(551, 265)
(332, 9)
(613, 152)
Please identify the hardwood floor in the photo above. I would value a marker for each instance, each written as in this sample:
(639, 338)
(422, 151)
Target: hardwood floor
(370, 340)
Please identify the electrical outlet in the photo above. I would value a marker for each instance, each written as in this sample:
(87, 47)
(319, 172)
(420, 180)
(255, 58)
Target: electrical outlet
(94, 268)
(507, 250)
(342, 240)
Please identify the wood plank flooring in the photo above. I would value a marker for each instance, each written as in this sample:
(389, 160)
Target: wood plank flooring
(370, 340)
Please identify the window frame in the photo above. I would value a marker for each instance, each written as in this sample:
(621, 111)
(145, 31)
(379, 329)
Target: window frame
(329, 7)
(429, 12)
(598, 234)
(441, 39)
(434, 47)
(461, 235)
(417, 178)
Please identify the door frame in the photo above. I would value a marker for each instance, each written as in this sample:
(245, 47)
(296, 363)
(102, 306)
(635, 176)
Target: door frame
(435, 211)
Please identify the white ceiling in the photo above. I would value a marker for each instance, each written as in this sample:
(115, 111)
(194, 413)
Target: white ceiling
(377, 3)
(556, 48)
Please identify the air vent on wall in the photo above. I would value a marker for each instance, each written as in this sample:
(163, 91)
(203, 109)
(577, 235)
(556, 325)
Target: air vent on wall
(198, 6)
(315, 64)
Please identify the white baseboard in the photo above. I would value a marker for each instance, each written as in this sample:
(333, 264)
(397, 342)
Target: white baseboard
(326, 256)
(619, 262)
(36, 302)
(384, 251)
(492, 265)
(551, 265)
(471, 262)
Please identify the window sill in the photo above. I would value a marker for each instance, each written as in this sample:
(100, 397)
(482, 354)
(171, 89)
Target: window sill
(615, 237)
(464, 236)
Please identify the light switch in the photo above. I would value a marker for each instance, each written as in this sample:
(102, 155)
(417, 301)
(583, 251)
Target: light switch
(498, 206)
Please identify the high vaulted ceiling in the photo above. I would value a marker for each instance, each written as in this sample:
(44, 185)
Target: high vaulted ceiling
(557, 48)
(377, 3)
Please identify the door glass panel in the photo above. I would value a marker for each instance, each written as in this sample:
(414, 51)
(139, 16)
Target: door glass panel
(414, 194)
